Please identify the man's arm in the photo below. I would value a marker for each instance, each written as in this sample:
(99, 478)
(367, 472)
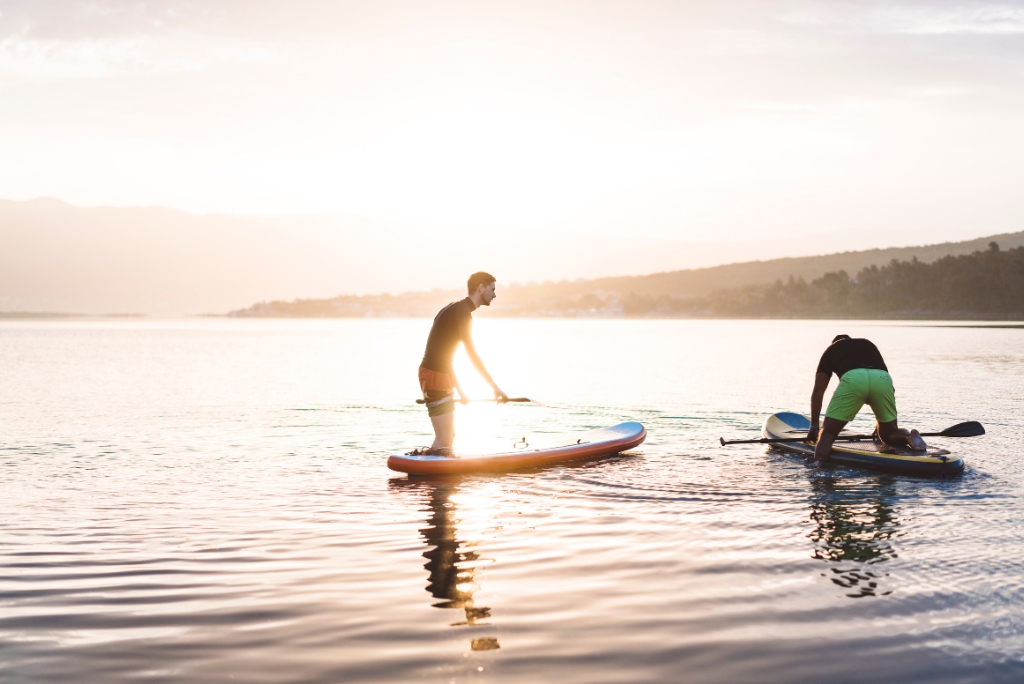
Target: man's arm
(817, 395)
(467, 341)
(462, 395)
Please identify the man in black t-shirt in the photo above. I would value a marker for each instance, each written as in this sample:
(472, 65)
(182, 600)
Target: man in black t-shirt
(452, 326)
(863, 379)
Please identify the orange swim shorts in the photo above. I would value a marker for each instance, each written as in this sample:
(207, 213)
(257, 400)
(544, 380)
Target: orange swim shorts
(438, 391)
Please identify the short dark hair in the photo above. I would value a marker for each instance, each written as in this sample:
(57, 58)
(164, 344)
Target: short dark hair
(478, 279)
(840, 337)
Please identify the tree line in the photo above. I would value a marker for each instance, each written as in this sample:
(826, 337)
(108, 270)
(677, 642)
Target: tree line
(989, 282)
(986, 283)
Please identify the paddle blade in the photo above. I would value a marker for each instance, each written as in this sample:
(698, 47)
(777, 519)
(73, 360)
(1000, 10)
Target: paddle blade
(971, 428)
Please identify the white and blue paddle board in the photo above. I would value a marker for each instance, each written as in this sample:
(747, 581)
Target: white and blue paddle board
(864, 453)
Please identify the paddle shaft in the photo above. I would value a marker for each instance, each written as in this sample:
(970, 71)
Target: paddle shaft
(786, 439)
(971, 429)
(518, 400)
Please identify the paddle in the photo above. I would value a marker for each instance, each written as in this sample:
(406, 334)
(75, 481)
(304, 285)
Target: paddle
(971, 428)
(500, 401)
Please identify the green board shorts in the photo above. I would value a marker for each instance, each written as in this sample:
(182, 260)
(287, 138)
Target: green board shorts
(439, 402)
(861, 386)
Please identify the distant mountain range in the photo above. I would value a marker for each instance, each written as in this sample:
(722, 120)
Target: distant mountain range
(701, 281)
(982, 284)
(738, 289)
(59, 258)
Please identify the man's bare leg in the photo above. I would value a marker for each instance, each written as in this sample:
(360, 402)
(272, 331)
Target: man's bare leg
(900, 438)
(830, 429)
(444, 430)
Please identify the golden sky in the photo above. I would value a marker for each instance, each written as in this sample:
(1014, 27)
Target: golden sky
(690, 121)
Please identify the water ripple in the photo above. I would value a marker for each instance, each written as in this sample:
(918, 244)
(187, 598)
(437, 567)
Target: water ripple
(210, 503)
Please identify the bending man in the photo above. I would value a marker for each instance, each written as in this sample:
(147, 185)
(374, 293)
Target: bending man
(863, 379)
(452, 325)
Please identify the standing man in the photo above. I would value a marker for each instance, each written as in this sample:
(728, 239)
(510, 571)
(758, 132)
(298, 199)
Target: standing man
(863, 379)
(452, 325)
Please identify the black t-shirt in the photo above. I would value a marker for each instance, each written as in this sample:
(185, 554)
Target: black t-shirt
(846, 355)
(451, 326)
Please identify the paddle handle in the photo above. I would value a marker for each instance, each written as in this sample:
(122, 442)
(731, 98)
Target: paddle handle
(518, 400)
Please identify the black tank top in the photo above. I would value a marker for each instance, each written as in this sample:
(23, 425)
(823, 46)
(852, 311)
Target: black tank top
(846, 355)
(449, 325)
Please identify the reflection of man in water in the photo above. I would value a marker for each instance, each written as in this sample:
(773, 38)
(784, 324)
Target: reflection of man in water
(452, 325)
(853, 531)
(446, 581)
(863, 379)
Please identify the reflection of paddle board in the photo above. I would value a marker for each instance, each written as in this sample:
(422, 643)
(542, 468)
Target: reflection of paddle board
(863, 453)
(537, 451)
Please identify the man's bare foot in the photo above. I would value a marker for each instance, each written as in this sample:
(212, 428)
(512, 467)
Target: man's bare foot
(446, 452)
(916, 442)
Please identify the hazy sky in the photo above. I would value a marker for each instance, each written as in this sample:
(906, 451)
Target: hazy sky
(702, 121)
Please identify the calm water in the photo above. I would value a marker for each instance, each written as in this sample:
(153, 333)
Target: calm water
(208, 501)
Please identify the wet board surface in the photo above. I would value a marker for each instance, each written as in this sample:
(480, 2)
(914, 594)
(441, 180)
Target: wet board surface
(863, 453)
(537, 450)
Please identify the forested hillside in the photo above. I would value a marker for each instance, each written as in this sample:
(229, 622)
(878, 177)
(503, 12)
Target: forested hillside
(698, 282)
(985, 283)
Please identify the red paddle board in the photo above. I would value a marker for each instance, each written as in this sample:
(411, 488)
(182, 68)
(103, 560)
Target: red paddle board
(537, 451)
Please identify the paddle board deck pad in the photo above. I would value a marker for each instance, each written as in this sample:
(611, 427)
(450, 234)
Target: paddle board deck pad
(537, 451)
(864, 453)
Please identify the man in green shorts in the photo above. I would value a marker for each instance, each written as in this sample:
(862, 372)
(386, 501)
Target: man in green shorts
(452, 325)
(863, 379)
